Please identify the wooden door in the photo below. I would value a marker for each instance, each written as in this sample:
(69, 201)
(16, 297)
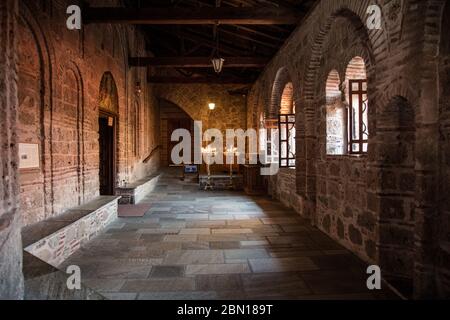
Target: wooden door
(107, 155)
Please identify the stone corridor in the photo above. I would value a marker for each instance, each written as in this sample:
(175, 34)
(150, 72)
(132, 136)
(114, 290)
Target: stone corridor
(349, 99)
(194, 244)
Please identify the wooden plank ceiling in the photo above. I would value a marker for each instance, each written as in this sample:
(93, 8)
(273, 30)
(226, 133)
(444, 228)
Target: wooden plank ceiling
(181, 35)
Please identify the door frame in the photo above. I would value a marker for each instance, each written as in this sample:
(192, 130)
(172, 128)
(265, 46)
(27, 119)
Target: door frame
(107, 114)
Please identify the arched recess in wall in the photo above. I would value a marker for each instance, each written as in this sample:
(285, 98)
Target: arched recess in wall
(354, 14)
(357, 98)
(35, 61)
(108, 134)
(287, 104)
(67, 144)
(336, 116)
(357, 17)
(396, 130)
(70, 119)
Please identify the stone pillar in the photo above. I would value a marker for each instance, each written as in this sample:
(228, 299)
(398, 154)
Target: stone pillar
(11, 277)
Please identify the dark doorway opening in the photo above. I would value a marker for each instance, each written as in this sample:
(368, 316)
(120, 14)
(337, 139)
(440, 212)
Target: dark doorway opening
(107, 141)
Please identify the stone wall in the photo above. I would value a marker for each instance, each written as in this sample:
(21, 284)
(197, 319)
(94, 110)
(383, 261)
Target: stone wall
(60, 97)
(11, 278)
(230, 112)
(444, 89)
(383, 205)
(283, 188)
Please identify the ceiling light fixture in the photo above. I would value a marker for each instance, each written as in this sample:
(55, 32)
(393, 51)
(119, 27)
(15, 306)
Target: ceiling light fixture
(217, 60)
(217, 63)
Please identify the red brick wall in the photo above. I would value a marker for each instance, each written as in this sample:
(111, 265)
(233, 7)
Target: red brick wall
(60, 74)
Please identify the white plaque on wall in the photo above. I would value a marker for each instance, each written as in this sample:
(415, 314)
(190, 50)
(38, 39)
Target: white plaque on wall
(29, 156)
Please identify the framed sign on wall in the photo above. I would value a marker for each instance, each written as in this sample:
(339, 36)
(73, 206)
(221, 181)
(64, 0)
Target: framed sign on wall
(29, 156)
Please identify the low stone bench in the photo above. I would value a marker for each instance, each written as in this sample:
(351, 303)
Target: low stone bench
(222, 182)
(134, 192)
(55, 239)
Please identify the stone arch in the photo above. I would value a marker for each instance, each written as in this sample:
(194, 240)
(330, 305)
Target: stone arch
(282, 79)
(315, 79)
(356, 69)
(356, 18)
(287, 103)
(108, 94)
(396, 221)
(41, 52)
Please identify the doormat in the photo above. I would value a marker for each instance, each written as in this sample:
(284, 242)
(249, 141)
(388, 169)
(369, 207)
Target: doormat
(133, 210)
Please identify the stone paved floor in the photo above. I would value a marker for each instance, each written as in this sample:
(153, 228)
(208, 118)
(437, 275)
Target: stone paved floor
(193, 244)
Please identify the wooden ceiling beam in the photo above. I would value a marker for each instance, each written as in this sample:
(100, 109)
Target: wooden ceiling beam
(197, 62)
(199, 80)
(252, 39)
(192, 16)
(198, 38)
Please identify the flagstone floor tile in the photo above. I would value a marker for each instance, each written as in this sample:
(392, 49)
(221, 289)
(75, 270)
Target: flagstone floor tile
(197, 245)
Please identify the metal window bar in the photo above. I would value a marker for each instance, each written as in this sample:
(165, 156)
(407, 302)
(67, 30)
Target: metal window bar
(286, 125)
(358, 134)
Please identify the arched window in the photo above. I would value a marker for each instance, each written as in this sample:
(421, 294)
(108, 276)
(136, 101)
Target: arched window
(336, 116)
(267, 139)
(358, 112)
(287, 127)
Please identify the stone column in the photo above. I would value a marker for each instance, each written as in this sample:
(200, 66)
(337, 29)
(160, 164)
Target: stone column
(11, 277)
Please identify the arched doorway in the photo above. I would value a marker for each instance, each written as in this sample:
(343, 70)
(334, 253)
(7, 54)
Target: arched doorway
(108, 113)
(172, 117)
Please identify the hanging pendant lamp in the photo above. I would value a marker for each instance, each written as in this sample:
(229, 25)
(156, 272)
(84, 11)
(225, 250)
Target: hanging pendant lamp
(217, 61)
